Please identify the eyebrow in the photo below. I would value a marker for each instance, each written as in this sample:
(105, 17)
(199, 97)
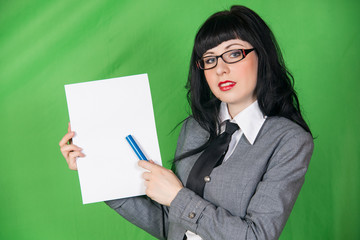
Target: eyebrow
(227, 47)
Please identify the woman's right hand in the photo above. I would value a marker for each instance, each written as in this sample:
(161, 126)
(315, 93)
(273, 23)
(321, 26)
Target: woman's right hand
(69, 150)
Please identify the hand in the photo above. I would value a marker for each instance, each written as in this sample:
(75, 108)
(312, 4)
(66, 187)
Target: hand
(69, 150)
(162, 185)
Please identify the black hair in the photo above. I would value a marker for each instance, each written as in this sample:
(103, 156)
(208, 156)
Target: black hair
(274, 90)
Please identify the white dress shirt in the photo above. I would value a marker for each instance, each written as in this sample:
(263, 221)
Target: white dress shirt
(250, 121)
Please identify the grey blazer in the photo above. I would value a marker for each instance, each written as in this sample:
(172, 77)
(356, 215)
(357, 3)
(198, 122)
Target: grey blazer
(250, 196)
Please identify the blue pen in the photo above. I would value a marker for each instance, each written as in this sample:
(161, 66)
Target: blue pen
(136, 148)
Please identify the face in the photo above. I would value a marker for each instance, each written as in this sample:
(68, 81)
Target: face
(233, 83)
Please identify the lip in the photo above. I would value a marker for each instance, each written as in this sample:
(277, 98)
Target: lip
(226, 85)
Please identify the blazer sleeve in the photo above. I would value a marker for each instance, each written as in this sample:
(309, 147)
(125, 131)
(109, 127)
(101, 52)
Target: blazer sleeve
(269, 207)
(144, 212)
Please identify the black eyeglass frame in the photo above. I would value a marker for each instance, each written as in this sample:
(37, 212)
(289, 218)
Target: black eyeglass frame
(245, 52)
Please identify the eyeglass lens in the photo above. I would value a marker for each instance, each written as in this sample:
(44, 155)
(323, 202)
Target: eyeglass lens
(231, 56)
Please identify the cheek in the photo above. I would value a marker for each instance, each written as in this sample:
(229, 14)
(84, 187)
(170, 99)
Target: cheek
(249, 71)
(254, 67)
(210, 79)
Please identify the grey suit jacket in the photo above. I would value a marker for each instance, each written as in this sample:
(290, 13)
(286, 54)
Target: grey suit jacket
(250, 196)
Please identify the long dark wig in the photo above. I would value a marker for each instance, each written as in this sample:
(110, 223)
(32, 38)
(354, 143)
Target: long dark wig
(274, 90)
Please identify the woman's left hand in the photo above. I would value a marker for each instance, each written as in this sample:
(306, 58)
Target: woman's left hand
(162, 185)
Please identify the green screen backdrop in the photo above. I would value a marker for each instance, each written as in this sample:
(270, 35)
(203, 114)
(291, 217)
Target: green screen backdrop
(46, 44)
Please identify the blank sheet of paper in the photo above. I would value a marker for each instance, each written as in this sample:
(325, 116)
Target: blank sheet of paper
(102, 113)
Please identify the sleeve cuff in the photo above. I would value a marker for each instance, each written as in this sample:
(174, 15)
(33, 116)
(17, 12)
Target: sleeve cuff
(187, 208)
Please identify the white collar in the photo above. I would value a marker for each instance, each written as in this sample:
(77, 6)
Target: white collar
(250, 120)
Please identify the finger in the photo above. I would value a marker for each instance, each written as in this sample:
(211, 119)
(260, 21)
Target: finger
(72, 165)
(69, 148)
(69, 130)
(146, 176)
(72, 159)
(147, 165)
(76, 154)
(151, 161)
(72, 156)
(66, 138)
(67, 155)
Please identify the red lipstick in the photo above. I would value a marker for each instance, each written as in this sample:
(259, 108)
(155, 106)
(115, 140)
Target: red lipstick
(226, 85)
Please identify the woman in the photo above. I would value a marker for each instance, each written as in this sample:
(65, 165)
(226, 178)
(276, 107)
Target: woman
(237, 80)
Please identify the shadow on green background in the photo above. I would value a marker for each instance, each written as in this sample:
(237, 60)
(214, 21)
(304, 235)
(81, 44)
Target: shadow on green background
(46, 44)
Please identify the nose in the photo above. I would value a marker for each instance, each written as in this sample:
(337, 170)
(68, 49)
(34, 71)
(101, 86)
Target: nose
(222, 67)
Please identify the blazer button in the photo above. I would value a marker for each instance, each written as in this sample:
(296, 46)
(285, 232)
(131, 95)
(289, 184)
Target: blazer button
(192, 215)
(207, 179)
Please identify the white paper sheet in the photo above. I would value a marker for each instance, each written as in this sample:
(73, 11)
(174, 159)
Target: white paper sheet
(103, 113)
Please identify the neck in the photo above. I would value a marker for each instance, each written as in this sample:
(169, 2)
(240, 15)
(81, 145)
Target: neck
(235, 109)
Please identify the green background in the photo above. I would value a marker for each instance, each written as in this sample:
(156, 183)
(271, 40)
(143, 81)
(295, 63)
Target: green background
(46, 44)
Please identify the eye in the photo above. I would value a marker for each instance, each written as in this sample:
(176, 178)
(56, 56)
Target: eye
(235, 54)
(209, 60)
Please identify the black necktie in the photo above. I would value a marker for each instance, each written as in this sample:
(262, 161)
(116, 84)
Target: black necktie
(211, 157)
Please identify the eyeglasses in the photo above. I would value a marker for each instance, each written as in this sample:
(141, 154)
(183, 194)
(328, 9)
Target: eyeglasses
(232, 56)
